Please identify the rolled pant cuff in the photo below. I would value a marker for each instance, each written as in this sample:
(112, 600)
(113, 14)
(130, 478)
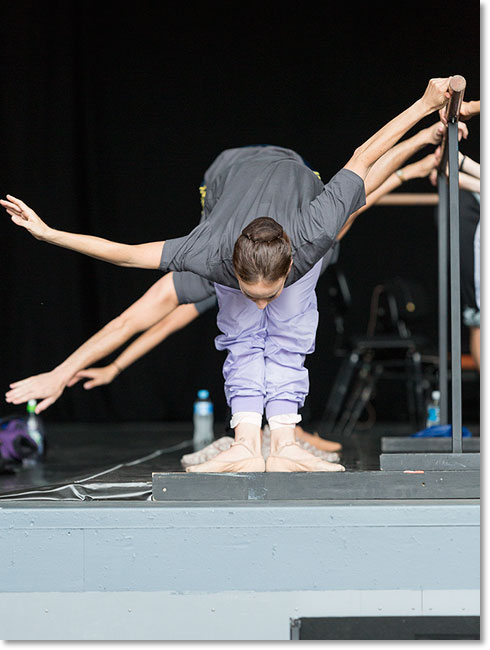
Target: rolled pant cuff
(254, 404)
(280, 407)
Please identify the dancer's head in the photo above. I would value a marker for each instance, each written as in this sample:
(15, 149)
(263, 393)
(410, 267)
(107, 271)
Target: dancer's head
(262, 258)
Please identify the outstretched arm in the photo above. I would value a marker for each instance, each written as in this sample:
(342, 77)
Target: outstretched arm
(144, 256)
(467, 110)
(395, 157)
(155, 304)
(468, 166)
(469, 173)
(434, 98)
(176, 320)
(470, 183)
(419, 169)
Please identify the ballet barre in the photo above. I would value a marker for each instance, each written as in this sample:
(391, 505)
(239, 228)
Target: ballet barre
(447, 201)
(448, 224)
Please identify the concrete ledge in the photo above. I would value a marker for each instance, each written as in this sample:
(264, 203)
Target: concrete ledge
(206, 570)
(224, 616)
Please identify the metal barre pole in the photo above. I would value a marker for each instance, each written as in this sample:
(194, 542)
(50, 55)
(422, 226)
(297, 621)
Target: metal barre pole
(457, 87)
(455, 288)
(442, 218)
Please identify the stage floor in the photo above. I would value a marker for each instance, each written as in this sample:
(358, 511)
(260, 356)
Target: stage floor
(91, 461)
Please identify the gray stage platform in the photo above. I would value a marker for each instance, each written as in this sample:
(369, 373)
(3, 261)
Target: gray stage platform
(230, 570)
(321, 486)
(397, 444)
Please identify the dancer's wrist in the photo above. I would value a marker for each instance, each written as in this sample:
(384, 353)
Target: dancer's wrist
(117, 370)
(64, 372)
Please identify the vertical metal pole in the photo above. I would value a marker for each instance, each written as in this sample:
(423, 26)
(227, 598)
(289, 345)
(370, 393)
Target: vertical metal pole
(456, 385)
(442, 218)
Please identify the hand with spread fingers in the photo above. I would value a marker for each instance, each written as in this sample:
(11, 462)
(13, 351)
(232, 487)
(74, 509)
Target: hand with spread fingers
(22, 215)
(47, 386)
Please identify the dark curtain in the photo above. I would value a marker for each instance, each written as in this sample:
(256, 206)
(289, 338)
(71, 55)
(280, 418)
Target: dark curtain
(111, 112)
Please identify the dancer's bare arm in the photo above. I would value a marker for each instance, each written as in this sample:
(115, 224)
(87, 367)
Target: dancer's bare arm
(176, 320)
(381, 179)
(144, 256)
(395, 157)
(467, 110)
(468, 182)
(419, 169)
(468, 166)
(155, 304)
(469, 173)
(434, 98)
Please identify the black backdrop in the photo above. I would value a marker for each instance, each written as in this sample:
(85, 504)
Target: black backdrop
(110, 113)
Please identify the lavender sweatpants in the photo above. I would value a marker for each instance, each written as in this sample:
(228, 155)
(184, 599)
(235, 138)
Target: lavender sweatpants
(267, 348)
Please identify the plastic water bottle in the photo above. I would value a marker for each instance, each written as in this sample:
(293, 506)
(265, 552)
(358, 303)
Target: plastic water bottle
(434, 410)
(35, 430)
(203, 420)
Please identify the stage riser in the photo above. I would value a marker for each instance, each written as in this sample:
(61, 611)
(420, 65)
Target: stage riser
(428, 445)
(218, 548)
(320, 486)
(227, 616)
(201, 550)
(432, 462)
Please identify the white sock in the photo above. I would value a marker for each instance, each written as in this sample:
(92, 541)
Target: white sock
(246, 416)
(281, 421)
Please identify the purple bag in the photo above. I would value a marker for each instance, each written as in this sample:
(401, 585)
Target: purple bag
(15, 441)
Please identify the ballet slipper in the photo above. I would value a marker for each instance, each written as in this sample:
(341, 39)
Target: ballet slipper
(281, 462)
(216, 465)
(330, 457)
(317, 441)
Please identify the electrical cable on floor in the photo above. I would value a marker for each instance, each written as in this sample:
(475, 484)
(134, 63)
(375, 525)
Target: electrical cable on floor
(81, 490)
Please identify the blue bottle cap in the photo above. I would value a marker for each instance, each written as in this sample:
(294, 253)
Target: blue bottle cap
(203, 393)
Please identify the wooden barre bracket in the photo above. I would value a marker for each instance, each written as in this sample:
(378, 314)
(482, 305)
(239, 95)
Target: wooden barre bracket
(399, 198)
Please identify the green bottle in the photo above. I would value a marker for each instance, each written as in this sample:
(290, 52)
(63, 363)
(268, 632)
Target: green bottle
(35, 427)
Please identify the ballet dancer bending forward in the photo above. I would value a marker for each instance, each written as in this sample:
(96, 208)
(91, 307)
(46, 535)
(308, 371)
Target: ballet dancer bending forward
(268, 222)
(176, 299)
